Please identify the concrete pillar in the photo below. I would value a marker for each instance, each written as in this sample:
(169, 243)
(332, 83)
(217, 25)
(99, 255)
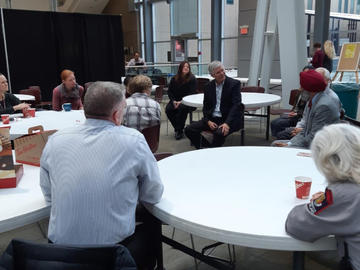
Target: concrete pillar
(53, 5)
(322, 15)
(258, 42)
(269, 46)
(292, 42)
(216, 23)
(148, 31)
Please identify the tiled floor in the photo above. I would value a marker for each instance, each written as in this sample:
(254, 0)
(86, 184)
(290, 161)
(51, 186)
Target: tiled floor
(246, 258)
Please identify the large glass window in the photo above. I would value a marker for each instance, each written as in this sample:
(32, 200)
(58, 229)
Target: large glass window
(184, 17)
(346, 6)
(142, 39)
(352, 6)
(205, 19)
(161, 30)
(230, 19)
(309, 4)
(339, 6)
(230, 34)
(161, 21)
(230, 52)
(161, 52)
(167, 22)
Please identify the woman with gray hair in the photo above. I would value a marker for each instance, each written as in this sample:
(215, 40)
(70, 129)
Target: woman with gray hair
(336, 153)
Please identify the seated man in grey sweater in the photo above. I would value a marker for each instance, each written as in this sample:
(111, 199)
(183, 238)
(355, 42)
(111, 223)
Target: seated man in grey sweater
(322, 109)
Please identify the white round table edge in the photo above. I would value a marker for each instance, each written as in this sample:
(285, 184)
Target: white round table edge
(241, 239)
(23, 220)
(275, 99)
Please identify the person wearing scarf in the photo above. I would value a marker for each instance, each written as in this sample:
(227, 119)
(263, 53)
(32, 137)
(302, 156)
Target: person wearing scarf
(67, 92)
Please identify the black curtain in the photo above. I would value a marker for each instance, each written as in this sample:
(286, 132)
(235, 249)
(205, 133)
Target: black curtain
(2, 54)
(42, 44)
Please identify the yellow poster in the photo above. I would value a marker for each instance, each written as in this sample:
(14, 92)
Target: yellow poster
(350, 50)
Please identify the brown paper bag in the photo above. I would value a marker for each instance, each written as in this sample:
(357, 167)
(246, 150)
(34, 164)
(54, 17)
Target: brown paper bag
(28, 148)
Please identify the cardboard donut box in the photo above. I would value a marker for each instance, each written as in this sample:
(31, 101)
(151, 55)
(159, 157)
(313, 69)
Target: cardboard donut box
(28, 150)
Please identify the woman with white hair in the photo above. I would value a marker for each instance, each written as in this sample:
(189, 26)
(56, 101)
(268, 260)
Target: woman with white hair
(336, 152)
(329, 55)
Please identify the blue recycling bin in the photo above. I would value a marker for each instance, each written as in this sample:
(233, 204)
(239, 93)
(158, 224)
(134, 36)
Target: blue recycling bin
(348, 95)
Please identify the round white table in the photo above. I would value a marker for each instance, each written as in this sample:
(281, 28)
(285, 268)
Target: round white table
(25, 97)
(237, 195)
(244, 81)
(24, 204)
(233, 74)
(250, 100)
(48, 119)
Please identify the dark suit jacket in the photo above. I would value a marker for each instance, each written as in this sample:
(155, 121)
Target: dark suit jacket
(232, 110)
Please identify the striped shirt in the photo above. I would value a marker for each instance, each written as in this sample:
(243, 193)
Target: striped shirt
(141, 112)
(93, 175)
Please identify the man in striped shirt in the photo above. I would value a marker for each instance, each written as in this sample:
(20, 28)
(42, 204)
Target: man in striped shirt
(141, 110)
(95, 174)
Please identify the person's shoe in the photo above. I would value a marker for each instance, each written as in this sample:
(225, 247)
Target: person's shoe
(179, 135)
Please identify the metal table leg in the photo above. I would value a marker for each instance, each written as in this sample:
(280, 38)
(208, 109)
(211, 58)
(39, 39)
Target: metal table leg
(267, 122)
(298, 260)
(159, 250)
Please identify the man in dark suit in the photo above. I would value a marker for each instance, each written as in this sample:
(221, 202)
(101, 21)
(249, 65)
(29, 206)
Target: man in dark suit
(222, 108)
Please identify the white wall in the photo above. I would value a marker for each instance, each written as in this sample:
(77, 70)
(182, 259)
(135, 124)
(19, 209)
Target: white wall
(43, 5)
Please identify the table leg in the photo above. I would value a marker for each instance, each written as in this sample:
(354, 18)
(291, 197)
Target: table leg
(159, 250)
(191, 117)
(298, 260)
(267, 122)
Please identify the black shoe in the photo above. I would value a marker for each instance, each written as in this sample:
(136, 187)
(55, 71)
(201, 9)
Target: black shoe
(179, 135)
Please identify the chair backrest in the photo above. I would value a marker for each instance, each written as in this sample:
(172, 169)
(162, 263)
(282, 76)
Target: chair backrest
(159, 92)
(25, 255)
(352, 121)
(152, 136)
(160, 156)
(35, 87)
(201, 82)
(293, 94)
(157, 71)
(253, 89)
(86, 86)
(161, 80)
(36, 92)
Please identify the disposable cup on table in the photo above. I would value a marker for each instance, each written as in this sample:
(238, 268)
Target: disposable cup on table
(66, 107)
(31, 112)
(5, 118)
(303, 186)
(26, 113)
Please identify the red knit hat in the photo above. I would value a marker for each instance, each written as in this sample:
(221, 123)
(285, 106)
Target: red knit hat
(312, 81)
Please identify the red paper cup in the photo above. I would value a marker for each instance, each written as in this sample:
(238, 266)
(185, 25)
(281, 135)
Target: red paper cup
(302, 185)
(5, 118)
(31, 112)
(26, 113)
